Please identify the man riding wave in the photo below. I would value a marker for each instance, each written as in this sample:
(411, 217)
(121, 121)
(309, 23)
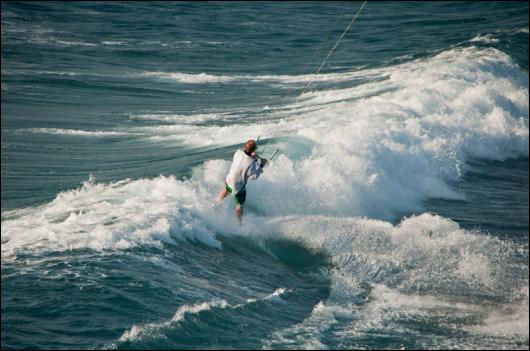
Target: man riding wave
(246, 165)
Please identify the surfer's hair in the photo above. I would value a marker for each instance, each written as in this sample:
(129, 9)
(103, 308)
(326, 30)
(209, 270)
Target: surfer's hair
(250, 146)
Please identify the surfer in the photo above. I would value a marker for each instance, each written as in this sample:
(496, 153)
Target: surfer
(246, 164)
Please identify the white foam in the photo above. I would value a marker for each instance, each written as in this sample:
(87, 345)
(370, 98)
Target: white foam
(432, 265)
(156, 329)
(509, 320)
(310, 333)
(429, 251)
(212, 135)
(72, 43)
(58, 73)
(182, 119)
(79, 132)
(385, 299)
(201, 78)
(276, 294)
(486, 39)
(113, 216)
(39, 38)
(387, 306)
(194, 309)
(512, 321)
(114, 42)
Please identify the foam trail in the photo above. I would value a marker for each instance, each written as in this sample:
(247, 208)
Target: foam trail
(486, 39)
(202, 78)
(157, 329)
(183, 119)
(78, 132)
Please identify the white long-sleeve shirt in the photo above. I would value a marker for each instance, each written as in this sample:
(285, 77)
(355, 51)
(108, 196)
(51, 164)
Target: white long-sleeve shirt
(243, 167)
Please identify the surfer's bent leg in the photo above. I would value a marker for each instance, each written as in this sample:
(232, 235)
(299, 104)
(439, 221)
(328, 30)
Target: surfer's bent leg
(239, 213)
(222, 195)
(240, 198)
(224, 192)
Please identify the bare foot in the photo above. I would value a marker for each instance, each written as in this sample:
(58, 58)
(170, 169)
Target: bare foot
(239, 214)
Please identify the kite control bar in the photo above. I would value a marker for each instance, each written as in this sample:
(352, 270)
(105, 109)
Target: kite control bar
(274, 154)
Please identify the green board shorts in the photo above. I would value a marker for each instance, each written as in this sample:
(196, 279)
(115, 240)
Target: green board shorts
(240, 197)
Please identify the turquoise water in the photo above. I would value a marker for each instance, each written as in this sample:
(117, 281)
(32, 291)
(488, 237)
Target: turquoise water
(395, 216)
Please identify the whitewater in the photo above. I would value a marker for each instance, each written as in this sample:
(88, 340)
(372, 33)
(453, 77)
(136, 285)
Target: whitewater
(369, 230)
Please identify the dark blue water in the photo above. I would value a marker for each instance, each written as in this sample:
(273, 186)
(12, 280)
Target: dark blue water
(395, 216)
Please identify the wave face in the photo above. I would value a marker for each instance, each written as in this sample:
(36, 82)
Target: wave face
(395, 216)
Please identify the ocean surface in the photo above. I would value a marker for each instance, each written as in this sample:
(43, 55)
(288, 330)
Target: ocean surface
(394, 217)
